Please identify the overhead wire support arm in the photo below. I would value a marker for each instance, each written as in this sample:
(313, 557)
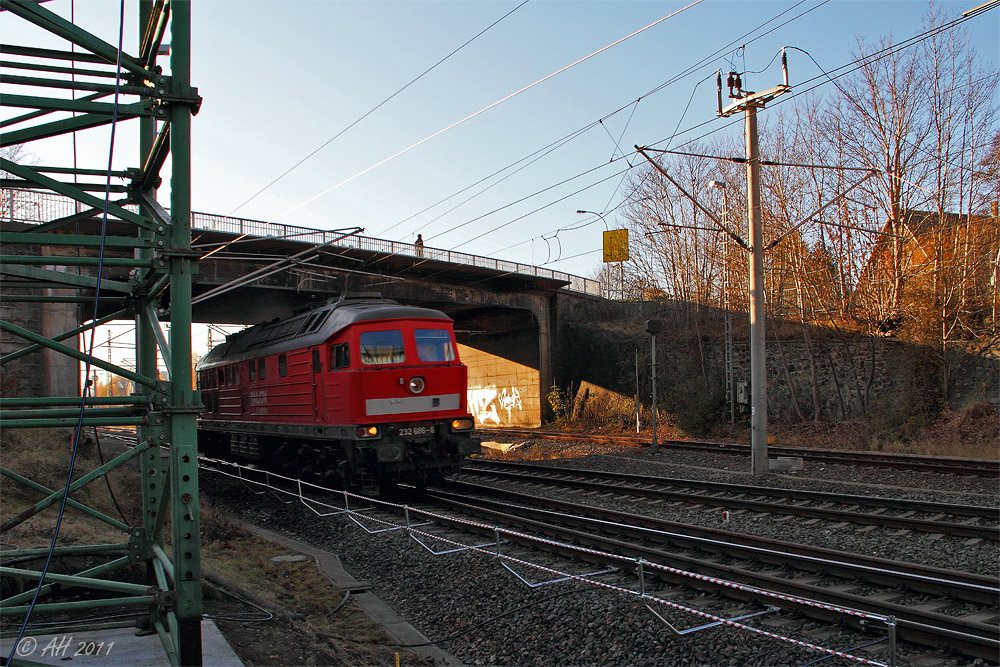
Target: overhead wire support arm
(822, 208)
(739, 241)
(270, 269)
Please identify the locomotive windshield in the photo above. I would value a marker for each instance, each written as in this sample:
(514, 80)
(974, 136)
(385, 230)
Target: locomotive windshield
(434, 345)
(382, 347)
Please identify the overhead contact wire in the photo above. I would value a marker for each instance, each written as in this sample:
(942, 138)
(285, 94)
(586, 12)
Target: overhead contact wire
(663, 85)
(377, 107)
(487, 108)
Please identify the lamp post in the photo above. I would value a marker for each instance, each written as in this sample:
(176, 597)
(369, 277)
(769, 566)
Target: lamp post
(730, 394)
(621, 265)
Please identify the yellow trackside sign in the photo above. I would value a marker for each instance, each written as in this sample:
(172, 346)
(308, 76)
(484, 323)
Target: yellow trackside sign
(616, 245)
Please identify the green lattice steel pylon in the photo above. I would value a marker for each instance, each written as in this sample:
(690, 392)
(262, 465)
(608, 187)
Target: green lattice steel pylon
(147, 256)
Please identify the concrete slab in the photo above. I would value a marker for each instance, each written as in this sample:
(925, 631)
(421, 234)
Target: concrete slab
(501, 446)
(785, 464)
(115, 647)
(394, 624)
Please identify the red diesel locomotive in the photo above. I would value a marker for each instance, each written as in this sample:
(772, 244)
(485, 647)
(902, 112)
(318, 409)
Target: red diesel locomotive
(359, 393)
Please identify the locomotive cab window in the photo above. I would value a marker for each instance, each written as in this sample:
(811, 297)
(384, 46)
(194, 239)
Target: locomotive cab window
(340, 356)
(252, 371)
(317, 364)
(434, 345)
(260, 370)
(382, 347)
(282, 365)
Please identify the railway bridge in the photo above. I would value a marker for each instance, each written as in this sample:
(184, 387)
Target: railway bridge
(251, 271)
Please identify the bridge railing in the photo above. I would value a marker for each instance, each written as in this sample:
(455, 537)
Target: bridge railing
(29, 206)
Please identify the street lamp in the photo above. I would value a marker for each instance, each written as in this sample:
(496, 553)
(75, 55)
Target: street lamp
(730, 394)
(621, 265)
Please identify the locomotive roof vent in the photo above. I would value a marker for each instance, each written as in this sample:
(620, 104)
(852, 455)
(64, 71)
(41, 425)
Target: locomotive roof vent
(358, 296)
(315, 321)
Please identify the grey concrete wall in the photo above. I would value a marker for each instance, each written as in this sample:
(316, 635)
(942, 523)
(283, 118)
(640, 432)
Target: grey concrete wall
(501, 392)
(61, 373)
(844, 378)
(22, 377)
(43, 372)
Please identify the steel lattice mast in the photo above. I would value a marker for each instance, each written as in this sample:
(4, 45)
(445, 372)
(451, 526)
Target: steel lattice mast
(161, 264)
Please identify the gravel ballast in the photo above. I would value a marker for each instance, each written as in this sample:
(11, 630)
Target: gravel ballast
(479, 611)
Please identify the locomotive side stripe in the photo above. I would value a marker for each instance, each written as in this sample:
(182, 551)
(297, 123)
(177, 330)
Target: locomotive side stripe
(397, 406)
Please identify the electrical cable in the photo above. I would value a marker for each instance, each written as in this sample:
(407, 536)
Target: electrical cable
(766, 67)
(768, 163)
(249, 618)
(855, 64)
(570, 228)
(902, 138)
(634, 104)
(90, 353)
(517, 201)
(540, 208)
(347, 596)
(487, 108)
(618, 141)
(540, 153)
(686, 73)
(85, 621)
(376, 107)
(107, 480)
(850, 650)
(97, 441)
(890, 50)
(893, 48)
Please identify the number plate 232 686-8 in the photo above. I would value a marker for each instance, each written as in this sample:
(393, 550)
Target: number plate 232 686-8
(415, 430)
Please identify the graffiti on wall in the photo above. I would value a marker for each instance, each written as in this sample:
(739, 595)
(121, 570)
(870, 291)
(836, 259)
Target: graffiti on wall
(488, 404)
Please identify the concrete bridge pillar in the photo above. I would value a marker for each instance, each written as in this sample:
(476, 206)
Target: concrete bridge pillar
(45, 372)
(61, 373)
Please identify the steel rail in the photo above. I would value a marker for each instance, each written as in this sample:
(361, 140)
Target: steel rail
(973, 638)
(876, 502)
(953, 465)
(914, 624)
(548, 474)
(960, 585)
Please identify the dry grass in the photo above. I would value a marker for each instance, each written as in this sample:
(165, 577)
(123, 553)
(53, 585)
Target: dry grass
(972, 433)
(42, 455)
(296, 590)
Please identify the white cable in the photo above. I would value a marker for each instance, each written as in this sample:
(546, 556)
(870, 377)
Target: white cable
(484, 109)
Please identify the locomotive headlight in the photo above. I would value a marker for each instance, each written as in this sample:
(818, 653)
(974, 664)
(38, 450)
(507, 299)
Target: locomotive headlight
(417, 385)
(367, 431)
(464, 424)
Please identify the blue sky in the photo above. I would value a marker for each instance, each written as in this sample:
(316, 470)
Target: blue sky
(281, 78)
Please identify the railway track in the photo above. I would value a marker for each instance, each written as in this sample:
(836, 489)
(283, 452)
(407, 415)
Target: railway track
(936, 464)
(932, 607)
(967, 521)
